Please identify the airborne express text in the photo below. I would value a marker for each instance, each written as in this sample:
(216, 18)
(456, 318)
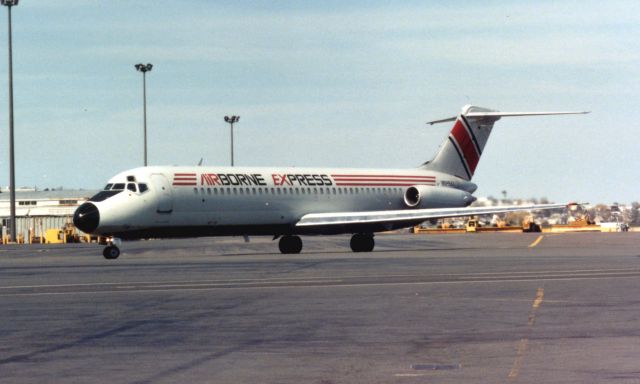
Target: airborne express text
(257, 179)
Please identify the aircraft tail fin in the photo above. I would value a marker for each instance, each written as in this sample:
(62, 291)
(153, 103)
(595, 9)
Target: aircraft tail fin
(461, 151)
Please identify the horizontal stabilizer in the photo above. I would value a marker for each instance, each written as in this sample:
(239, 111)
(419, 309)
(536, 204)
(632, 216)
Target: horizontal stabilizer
(460, 153)
(506, 114)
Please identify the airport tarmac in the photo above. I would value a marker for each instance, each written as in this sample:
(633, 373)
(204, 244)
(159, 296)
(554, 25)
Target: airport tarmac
(483, 308)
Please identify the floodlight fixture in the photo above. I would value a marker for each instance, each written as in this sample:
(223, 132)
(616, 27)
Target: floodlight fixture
(144, 67)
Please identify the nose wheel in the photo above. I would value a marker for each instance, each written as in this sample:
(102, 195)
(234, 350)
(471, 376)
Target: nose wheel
(111, 252)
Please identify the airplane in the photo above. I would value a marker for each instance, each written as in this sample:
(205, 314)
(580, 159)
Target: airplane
(195, 201)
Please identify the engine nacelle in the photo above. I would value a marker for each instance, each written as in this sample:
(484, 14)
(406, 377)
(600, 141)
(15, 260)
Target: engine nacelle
(426, 196)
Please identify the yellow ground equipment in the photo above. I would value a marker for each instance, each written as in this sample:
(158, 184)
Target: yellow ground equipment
(67, 234)
(472, 225)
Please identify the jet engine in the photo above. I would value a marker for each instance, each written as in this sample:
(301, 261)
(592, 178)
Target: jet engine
(426, 196)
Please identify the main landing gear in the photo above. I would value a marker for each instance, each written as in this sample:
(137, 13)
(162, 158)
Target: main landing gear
(290, 244)
(360, 242)
(111, 251)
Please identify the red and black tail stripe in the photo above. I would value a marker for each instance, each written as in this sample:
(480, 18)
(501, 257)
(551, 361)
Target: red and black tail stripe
(473, 136)
(466, 145)
(462, 160)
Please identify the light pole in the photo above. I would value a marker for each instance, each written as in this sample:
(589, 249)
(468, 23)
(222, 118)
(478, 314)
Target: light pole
(144, 69)
(231, 120)
(12, 176)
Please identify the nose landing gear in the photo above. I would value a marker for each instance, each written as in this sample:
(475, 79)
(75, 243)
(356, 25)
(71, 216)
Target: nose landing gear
(111, 251)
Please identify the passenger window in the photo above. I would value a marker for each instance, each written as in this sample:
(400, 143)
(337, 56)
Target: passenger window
(142, 187)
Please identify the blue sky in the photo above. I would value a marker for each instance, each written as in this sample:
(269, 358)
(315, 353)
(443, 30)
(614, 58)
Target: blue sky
(326, 84)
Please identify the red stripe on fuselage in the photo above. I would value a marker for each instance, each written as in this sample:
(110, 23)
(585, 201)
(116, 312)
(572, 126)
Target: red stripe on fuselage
(387, 176)
(337, 179)
(462, 137)
(338, 184)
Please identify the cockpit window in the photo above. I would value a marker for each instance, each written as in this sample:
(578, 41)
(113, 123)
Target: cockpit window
(118, 187)
(108, 187)
(103, 195)
(132, 187)
(143, 187)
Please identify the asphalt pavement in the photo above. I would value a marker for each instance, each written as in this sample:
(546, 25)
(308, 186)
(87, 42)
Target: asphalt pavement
(481, 308)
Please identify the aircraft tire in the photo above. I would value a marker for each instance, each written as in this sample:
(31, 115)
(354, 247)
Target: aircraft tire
(111, 252)
(361, 242)
(290, 244)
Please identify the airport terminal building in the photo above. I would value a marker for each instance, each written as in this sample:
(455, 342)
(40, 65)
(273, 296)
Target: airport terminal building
(38, 211)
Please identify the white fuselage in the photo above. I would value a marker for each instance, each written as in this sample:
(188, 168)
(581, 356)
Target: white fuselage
(184, 201)
(286, 202)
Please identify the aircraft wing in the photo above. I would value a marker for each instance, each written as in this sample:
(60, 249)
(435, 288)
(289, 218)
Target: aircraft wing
(410, 215)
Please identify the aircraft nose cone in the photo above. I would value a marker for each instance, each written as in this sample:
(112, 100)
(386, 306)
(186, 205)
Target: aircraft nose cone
(86, 218)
